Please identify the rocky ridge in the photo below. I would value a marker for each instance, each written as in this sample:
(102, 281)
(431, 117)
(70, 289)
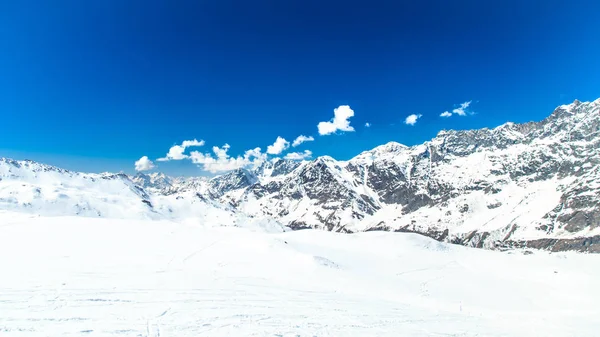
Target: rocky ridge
(533, 185)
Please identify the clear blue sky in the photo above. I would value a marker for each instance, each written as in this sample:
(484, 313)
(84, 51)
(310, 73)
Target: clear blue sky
(95, 85)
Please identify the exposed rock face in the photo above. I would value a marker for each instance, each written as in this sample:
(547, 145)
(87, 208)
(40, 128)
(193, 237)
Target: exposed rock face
(532, 185)
(231, 181)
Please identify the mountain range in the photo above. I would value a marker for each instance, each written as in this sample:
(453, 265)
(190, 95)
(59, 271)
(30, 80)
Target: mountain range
(531, 185)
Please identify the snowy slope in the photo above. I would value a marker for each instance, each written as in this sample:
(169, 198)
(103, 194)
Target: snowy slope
(72, 276)
(39, 189)
(47, 190)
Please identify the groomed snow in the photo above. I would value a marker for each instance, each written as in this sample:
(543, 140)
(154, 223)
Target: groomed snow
(74, 276)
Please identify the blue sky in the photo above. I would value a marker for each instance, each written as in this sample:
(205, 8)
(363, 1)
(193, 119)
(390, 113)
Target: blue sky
(95, 85)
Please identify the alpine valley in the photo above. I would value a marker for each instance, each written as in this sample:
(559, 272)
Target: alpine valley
(533, 185)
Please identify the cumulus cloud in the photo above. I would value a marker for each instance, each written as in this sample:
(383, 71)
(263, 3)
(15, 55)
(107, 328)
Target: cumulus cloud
(279, 146)
(301, 139)
(462, 110)
(220, 161)
(144, 164)
(176, 152)
(446, 114)
(367, 125)
(412, 119)
(255, 154)
(339, 122)
(298, 155)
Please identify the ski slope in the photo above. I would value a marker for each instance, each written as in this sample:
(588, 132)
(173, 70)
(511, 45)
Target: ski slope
(75, 276)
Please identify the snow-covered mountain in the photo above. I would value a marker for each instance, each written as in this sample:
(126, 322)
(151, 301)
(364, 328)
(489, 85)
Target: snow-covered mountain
(527, 185)
(27, 186)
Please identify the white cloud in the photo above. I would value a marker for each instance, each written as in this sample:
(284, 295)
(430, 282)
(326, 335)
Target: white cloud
(222, 162)
(462, 110)
(221, 152)
(256, 154)
(279, 146)
(367, 125)
(298, 155)
(412, 119)
(144, 164)
(189, 143)
(339, 122)
(176, 152)
(301, 139)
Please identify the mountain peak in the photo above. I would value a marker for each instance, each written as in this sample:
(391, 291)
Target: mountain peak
(391, 147)
(32, 166)
(388, 150)
(326, 160)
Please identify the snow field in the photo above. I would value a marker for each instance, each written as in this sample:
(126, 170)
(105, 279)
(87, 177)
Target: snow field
(73, 276)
